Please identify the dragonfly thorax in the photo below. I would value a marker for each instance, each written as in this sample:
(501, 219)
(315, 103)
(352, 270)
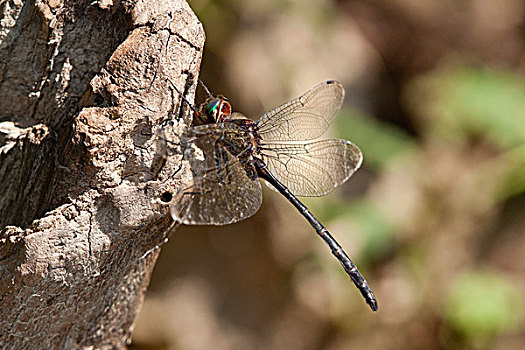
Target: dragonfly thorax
(217, 109)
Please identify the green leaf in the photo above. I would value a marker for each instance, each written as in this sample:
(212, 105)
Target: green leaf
(380, 143)
(481, 306)
(471, 101)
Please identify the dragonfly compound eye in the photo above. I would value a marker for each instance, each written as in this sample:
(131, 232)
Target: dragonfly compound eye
(212, 109)
(218, 110)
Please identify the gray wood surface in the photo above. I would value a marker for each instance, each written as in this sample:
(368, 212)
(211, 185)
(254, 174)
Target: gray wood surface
(83, 90)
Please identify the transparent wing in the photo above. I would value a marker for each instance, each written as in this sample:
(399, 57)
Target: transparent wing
(223, 190)
(305, 118)
(313, 168)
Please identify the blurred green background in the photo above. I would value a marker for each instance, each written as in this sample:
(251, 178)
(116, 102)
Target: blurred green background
(435, 218)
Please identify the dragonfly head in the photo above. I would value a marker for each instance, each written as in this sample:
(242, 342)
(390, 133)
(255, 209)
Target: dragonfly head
(217, 109)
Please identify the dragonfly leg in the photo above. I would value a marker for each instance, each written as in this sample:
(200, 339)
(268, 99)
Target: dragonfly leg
(221, 159)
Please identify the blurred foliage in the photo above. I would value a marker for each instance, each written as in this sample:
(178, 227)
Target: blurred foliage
(375, 228)
(380, 142)
(513, 182)
(435, 217)
(467, 101)
(482, 306)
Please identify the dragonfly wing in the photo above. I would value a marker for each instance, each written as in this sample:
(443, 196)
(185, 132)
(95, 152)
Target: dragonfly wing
(305, 118)
(223, 190)
(313, 168)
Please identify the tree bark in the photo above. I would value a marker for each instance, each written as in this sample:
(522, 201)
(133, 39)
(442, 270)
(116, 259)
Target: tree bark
(85, 176)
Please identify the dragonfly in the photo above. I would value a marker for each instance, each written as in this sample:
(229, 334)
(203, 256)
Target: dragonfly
(228, 154)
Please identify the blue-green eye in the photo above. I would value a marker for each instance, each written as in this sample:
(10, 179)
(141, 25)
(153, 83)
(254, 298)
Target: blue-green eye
(211, 108)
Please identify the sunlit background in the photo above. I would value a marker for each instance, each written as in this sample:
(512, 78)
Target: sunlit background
(435, 218)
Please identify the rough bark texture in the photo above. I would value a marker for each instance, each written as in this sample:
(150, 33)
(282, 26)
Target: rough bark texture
(84, 91)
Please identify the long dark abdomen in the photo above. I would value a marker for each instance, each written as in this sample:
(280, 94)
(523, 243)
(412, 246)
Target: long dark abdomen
(337, 250)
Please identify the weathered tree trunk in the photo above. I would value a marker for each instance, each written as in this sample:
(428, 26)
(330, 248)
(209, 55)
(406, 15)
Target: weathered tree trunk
(84, 86)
